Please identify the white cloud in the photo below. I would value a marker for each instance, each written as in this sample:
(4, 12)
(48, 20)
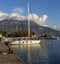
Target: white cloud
(16, 16)
(18, 10)
(3, 15)
(44, 17)
(39, 20)
(56, 27)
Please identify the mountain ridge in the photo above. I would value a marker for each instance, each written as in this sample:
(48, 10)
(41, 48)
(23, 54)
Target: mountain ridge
(14, 25)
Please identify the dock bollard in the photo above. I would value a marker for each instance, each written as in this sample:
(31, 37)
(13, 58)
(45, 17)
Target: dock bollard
(12, 50)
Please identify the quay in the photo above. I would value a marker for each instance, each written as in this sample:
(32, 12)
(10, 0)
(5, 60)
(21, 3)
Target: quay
(8, 58)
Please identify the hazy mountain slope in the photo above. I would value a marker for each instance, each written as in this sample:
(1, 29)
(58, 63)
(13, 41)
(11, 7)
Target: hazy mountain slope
(13, 25)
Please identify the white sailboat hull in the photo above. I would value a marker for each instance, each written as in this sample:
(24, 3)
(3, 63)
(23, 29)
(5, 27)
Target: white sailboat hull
(25, 42)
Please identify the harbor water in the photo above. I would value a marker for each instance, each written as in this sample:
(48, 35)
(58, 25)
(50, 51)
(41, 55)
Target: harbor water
(46, 52)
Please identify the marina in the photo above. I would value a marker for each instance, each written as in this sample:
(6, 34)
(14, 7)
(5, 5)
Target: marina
(29, 32)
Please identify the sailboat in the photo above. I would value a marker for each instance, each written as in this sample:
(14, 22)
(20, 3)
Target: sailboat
(27, 41)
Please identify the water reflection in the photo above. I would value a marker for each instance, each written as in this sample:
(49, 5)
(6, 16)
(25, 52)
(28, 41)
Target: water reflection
(44, 53)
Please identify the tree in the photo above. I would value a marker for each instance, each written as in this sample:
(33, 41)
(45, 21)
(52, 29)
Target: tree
(32, 33)
(4, 33)
(21, 33)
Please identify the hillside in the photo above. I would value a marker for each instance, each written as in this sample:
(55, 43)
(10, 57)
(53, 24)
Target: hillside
(13, 25)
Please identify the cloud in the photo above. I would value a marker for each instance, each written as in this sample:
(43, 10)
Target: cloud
(44, 18)
(14, 16)
(17, 16)
(56, 27)
(3, 15)
(18, 10)
(39, 20)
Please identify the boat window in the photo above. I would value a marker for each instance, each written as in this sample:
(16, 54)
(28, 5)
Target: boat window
(19, 39)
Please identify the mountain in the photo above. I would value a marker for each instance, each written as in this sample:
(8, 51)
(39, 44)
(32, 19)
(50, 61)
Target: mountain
(13, 25)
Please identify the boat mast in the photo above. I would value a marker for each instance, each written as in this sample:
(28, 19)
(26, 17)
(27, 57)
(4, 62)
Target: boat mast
(28, 23)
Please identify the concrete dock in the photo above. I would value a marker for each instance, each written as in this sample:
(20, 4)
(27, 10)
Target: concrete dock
(8, 58)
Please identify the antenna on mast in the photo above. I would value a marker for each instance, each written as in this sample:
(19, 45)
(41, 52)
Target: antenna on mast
(28, 23)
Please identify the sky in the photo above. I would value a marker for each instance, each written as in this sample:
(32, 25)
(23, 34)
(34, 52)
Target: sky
(46, 10)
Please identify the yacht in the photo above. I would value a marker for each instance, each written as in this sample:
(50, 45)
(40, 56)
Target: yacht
(27, 41)
(17, 42)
